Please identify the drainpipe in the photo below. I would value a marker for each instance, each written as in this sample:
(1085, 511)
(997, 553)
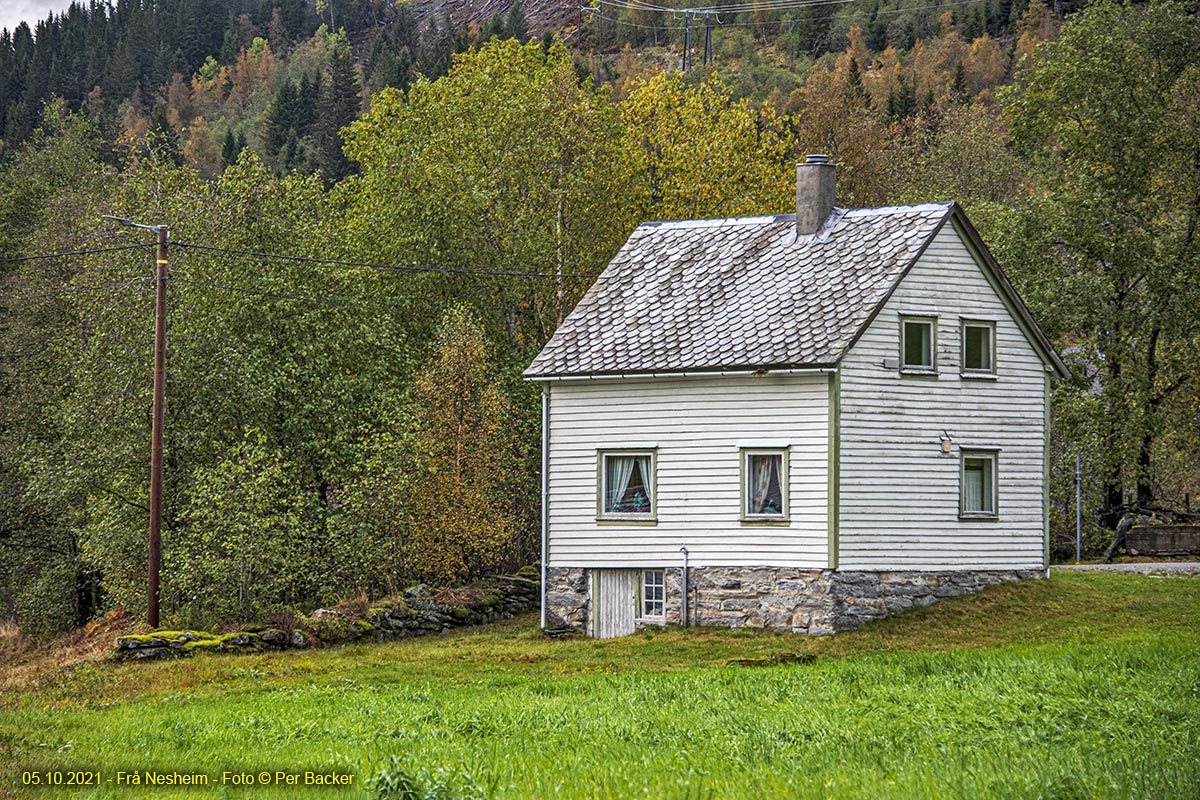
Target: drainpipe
(545, 491)
(684, 617)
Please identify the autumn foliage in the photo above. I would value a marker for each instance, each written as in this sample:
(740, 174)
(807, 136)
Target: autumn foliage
(458, 498)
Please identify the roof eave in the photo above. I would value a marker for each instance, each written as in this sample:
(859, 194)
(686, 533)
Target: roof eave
(696, 372)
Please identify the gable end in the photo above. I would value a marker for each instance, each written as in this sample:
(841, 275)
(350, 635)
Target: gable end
(994, 275)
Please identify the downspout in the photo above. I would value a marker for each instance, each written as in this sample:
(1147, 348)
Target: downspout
(684, 615)
(545, 490)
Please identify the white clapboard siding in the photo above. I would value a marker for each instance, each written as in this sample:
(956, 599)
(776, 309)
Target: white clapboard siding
(899, 493)
(697, 425)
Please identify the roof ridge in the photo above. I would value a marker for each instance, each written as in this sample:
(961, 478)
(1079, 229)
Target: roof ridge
(764, 219)
(714, 221)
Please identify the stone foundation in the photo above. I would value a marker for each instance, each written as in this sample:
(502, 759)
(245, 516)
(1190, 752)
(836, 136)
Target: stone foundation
(801, 601)
(568, 598)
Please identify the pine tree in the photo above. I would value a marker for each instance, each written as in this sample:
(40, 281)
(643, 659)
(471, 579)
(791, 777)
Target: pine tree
(958, 88)
(337, 107)
(281, 116)
(229, 151)
(516, 26)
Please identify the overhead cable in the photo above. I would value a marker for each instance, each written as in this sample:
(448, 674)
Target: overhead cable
(389, 267)
(70, 253)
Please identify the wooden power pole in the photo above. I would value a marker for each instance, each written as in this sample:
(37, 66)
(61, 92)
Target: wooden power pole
(156, 429)
(154, 562)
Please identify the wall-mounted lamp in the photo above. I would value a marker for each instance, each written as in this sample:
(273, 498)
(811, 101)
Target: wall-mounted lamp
(947, 443)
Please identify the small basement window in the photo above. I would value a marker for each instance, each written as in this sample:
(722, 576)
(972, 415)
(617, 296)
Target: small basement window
(978, 493)
(918, 341)
(764, 485)
(978, 348)
(653, 593)
(627, 485)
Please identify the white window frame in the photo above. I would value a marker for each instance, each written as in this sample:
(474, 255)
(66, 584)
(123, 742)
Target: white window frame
(644, 597)
(747, 452)
(920, 319)
(976, 372)
(629, 517)
(991, 455)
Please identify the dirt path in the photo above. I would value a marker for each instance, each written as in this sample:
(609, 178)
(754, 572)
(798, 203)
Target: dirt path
(1143, 568)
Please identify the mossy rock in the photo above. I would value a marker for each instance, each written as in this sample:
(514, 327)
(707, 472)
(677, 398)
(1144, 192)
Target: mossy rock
(362, 628)
(464, 615)
(529, 573)
(491, 600)
(162, 637)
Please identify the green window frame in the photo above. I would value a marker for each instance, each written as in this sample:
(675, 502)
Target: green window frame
(979, 484)
(764, 482)
(626, 487)
(978, 348)
(918, 344)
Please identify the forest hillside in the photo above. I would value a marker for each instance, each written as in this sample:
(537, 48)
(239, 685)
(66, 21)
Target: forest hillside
(379, 212)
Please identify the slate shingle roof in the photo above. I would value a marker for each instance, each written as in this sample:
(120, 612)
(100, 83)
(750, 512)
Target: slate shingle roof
(738, 293)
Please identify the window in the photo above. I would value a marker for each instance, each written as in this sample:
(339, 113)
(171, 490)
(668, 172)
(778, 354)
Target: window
(627, 485)
(764, 484)
(978, 484)
(918, 337)
(653, 593)
(978, 348)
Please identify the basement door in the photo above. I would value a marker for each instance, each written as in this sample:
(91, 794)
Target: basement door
(614, 602)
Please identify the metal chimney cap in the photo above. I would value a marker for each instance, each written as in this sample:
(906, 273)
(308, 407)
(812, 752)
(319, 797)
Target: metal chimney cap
(816, 158)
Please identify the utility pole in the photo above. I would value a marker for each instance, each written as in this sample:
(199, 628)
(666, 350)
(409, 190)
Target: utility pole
(156, 428)
(707, 38)
(1079, 513)
(687, 40)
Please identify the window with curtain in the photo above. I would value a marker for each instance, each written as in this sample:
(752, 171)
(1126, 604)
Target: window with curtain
(917, 344)
(627, 484)
(978, 484)
(978, 348)
(653, 593)
(764, 494)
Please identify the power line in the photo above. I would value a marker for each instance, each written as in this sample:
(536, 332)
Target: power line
(263, 293)
(74, 253)
(65, 292)
(748, 23)
(770, 5)
(390, 267)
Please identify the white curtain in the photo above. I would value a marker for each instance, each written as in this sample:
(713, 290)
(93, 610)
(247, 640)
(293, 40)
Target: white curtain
(619, 469)
(974, 486)
(643, 463)
(763, 471)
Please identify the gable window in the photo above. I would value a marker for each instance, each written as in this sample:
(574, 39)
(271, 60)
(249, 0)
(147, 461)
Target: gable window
(918, 344)
(978, 492)
(978, 348)
(764, 484)
(653, 593)
(627, 485)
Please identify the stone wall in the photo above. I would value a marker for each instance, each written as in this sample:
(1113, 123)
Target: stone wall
(568, 598)
(416, 613)
(1163, 540)
(801, 601)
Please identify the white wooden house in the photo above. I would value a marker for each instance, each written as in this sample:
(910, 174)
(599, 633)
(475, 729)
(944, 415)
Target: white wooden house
(801, 421)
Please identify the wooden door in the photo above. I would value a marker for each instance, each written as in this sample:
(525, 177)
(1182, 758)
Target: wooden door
(614, 602)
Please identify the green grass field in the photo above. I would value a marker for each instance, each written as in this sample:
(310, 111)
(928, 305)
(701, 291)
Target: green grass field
(1083, 686)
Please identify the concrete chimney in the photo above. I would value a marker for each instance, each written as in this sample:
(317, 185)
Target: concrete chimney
(815, 182)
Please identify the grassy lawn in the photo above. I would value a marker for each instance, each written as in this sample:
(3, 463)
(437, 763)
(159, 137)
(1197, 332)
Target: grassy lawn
(1086, 685)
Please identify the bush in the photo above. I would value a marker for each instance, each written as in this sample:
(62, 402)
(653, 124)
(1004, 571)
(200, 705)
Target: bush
(46, 606)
